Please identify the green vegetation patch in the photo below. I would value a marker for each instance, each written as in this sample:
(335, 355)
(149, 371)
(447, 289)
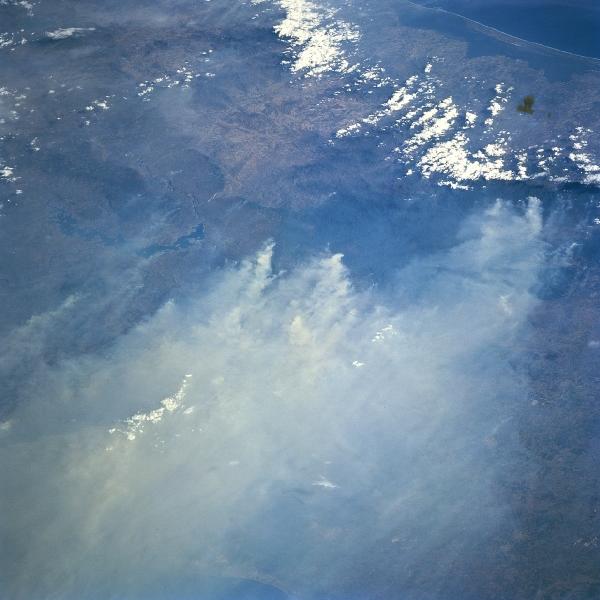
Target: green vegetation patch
(526, 106)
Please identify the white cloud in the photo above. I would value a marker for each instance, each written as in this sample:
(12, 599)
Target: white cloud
(498, 102)
(453, 159)
(317, 37)
(582, 159)
(67, 32)
(433, 124)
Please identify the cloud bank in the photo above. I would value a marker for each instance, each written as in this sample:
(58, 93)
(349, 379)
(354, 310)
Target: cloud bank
(284, 428)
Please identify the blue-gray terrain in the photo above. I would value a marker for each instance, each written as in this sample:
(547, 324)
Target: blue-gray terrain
(299, 300)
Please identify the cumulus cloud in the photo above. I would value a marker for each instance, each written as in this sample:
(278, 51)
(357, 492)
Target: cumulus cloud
(317, 37)
(284, 428)
(67, 32)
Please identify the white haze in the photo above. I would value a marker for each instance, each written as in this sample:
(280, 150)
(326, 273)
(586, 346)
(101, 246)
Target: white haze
(307, 427)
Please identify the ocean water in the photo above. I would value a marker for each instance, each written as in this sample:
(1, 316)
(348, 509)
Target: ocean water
(570, 26)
